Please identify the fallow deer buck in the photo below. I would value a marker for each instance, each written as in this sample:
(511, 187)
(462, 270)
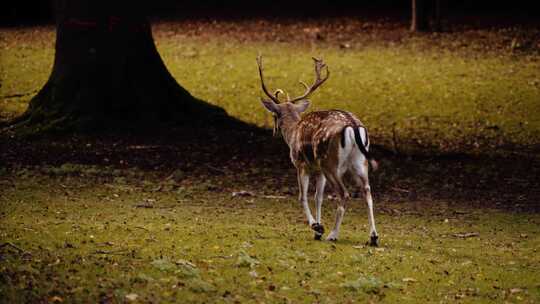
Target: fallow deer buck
(325, 143)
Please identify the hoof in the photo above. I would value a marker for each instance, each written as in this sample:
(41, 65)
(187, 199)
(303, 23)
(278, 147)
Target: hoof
(319, 230)
(331, 239)
(374, 241)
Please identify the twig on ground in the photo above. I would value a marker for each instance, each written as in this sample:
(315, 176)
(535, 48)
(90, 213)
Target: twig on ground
(222, 256)
(400, 189)
(466, 235)
(274, 196)
(216, 170)
(118, 252)
(144, 205)
(388, 210)
(166, 207)
(10, 244)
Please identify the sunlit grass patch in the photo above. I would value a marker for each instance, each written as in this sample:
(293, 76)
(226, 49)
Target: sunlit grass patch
(427, 99)
(413, 98)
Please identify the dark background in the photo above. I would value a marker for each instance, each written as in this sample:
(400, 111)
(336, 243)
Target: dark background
(474, 12)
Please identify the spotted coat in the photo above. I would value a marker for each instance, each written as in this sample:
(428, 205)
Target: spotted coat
(318, 133)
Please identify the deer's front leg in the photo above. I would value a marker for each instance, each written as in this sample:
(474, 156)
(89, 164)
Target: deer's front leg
(319, 194)
(303, 184)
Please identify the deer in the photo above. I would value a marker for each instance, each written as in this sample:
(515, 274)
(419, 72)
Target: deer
(326, 144)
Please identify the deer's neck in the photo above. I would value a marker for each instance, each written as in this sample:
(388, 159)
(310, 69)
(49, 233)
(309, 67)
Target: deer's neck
(288, 128)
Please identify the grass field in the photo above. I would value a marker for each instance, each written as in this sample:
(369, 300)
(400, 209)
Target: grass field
(153, 219)
(86, 237)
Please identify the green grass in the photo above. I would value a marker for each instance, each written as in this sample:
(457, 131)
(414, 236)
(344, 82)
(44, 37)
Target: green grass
(440, 98)
(84, 240)
(416, 97)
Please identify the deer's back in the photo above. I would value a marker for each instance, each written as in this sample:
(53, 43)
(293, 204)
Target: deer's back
(319, 132)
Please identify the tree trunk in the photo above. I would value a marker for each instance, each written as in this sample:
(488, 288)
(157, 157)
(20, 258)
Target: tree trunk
(420, 20)
(108, 73)
(426, 15)
(437, 22)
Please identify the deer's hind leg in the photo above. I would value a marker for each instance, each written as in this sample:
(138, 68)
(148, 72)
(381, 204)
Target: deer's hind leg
(360, 169)
(335, 181)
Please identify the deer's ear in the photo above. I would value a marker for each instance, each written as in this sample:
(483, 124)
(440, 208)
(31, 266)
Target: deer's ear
(302, 105)
(270, 105)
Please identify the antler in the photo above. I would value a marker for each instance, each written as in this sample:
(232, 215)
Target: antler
(319, 65)
(273, 97)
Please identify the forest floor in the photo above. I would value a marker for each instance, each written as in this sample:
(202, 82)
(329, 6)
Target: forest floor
(210, 215)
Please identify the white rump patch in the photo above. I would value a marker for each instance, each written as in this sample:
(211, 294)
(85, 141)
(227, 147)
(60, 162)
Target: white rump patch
(345, 152)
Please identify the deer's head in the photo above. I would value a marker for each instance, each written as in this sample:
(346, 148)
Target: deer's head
(291, 108)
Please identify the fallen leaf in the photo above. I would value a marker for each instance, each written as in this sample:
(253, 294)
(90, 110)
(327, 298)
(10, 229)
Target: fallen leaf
(184, 262)
(56, 299)
(459, 295)
(407, 280)
(132, 296)
(515, 290)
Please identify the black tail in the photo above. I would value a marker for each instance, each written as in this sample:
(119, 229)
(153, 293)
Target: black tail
(361, 145)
